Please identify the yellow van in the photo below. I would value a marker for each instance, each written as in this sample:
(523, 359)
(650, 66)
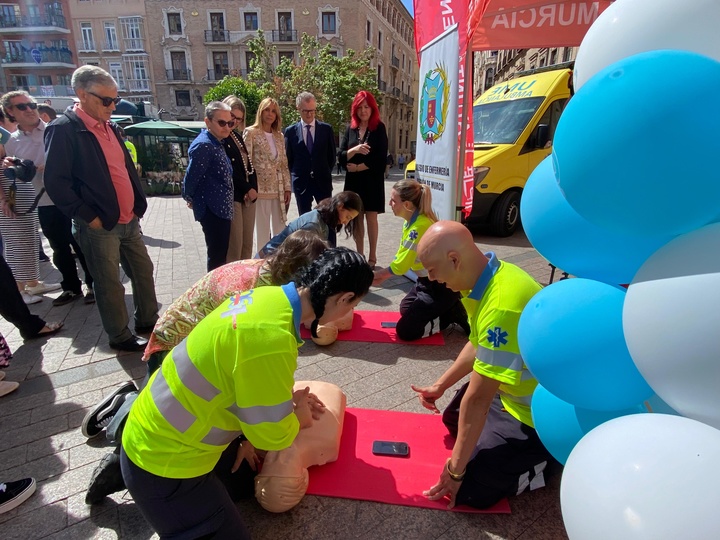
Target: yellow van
(514, 123)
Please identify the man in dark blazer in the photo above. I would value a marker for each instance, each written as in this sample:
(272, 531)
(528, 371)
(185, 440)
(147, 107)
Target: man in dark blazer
(310, 149)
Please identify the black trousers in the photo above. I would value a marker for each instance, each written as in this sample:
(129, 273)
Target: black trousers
(12, 306)
(57, 228)
(305, 198)
(509, 456)
(192, 508)
(217, 239)
(427, 303)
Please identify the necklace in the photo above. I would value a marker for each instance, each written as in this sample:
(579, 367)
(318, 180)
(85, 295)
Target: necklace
(247, 162)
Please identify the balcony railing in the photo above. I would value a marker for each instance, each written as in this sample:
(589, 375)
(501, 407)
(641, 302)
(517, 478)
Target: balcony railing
(395, 62)
(178, 74)
(408, 99)
(111, 46)
(217, 36)
(395, 92)
(135, 85)
(56, 21)
(134, 44)
(217, 74)
(86, 45)
(46, 56)
(382, 85)
(284, 35)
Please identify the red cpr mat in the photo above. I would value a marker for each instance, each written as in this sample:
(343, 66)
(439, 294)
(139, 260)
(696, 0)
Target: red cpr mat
(367, 327)
(360, 474)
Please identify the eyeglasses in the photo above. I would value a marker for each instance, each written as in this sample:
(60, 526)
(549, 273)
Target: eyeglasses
(308, 111)
(238, 119)
(223, 123)
(106, 101)
(25, 106)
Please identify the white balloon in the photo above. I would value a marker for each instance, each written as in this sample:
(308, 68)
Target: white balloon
(671, 321)
(643, 477)
(630, 27)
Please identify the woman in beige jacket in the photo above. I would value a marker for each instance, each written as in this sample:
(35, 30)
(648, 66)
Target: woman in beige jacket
(266, 148)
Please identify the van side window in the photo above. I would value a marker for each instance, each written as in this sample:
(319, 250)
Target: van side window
(550, 118)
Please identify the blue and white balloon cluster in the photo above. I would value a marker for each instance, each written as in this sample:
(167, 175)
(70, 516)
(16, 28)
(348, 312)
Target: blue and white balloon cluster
(631, 194)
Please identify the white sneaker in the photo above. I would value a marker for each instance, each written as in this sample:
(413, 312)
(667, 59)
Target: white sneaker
(30, 298)
(42, 288)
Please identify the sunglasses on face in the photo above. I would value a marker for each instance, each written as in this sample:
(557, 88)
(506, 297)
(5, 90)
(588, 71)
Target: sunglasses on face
(106, 101)
(223, 123)
(25, 106)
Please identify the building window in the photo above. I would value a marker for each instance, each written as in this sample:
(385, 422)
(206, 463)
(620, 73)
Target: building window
(286, 54)
(217, 22)
(132, 33)
(379, 40)
(179, 71)
(88, 43)
(368, 31)
(13, 51)
(328, 22)
(174, 22)
(111, 40)
(220, 64)
(59, 43)
(137, 70)
(182, 98)
(567, 54)
(33, 11)
(21, 81)
(10, 15)
(250, 19)
(44, 80)
(333, 53)
(249, 58)
(64, 80)
(553, 57)
(115, 69)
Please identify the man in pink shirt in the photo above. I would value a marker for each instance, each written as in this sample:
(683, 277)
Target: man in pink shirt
(92, 179)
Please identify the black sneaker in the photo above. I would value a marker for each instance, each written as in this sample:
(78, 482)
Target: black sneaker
(106, 479)
(13, 494)
(65, 298)
(101, 415)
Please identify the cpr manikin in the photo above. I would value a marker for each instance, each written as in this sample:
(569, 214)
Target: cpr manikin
(327, 333)
(283, 481)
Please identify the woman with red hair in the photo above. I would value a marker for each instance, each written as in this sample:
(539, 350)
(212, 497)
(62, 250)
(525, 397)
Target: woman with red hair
(363, 152)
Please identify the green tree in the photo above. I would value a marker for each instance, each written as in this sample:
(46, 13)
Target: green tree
(245, 90)
(334, 81)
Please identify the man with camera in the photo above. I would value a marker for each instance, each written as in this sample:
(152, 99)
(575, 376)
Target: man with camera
(93, 180)
(26, 157)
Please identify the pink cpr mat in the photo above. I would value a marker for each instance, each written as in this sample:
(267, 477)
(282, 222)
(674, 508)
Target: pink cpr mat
(360, 474)
(367, 327)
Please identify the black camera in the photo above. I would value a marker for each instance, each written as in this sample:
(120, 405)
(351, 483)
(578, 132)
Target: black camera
(21, 169)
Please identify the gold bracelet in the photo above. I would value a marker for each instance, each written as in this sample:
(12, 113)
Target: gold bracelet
(457, 477)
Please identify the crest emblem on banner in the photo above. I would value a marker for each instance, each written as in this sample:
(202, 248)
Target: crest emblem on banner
(434, 103)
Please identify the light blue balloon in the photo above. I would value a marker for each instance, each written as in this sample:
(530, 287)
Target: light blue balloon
(571, 242)
(561, 425)
(635, 149)
(571, 338)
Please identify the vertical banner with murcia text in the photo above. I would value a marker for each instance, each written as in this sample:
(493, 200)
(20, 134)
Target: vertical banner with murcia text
(437, 137)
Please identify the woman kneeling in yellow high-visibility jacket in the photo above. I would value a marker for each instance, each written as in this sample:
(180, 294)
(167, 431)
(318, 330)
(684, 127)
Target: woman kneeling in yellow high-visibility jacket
(232, 375)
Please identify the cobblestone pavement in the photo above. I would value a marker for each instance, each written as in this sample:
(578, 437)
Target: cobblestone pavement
(64, 376)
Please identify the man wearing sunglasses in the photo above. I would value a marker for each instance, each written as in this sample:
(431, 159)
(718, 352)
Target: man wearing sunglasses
(93, 180)
(208, 183)
(27, 143)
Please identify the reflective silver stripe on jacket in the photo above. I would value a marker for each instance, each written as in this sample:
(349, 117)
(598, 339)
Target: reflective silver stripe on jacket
(181, 419)
(409, 244)
(262, 413)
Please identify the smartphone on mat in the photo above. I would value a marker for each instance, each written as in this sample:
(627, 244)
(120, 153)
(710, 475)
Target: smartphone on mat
(388, 324)
(390, 448)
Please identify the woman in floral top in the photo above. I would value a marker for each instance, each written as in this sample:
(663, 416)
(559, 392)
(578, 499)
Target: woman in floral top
(266, 148)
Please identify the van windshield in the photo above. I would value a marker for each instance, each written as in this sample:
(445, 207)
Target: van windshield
(502, 122)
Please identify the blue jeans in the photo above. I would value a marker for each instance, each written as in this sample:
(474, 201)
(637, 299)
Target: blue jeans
(104, 252)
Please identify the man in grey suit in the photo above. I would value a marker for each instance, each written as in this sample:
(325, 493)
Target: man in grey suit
(310, 149)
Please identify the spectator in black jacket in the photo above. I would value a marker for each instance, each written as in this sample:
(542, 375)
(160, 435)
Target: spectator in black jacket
(91, 178)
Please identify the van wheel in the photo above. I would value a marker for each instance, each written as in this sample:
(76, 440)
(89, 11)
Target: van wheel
(505, 214)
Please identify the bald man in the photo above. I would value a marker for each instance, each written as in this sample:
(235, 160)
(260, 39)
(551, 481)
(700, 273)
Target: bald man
(497, 452)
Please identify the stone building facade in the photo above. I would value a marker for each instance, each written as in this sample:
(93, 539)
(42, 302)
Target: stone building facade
(114, 35)
(193, 45)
